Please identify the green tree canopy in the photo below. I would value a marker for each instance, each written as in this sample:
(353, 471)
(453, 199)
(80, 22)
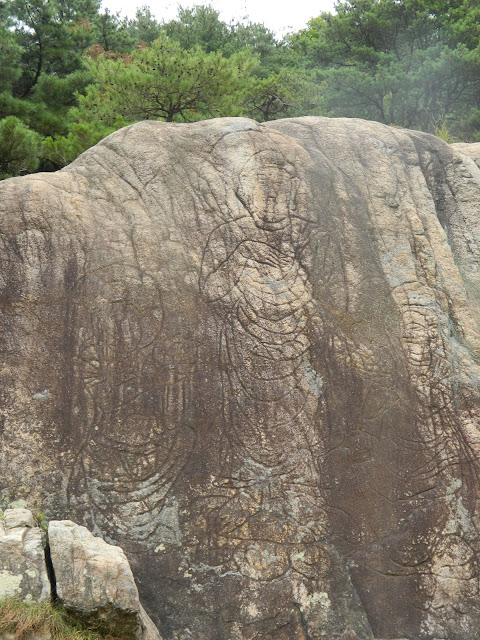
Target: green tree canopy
(20, 148)
(402, 62)
(201, 26)
(164, 82)
(73, 73)
(53, 35)
(144, 28)
(286, 94)
(10, 54)
(198, 26)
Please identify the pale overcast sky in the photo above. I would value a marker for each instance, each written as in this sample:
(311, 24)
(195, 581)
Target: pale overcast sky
(281, 16)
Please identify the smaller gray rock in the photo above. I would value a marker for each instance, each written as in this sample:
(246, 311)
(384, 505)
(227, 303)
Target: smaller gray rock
(95, 583)
(23, 572)
(18, 504)
(18, 518)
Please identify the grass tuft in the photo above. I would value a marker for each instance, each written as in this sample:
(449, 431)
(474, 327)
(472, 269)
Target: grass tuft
(22, 620)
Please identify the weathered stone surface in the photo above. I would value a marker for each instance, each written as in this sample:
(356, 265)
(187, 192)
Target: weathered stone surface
(94, 581)
(249, 354)
(91, 578)
(23, 573)
(18, 518)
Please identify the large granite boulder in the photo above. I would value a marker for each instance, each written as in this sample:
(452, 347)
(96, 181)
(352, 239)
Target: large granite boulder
(249, 354)
(93, 580)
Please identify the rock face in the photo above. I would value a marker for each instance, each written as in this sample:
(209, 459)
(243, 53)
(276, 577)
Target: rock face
(249, 354)
(93, 579)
